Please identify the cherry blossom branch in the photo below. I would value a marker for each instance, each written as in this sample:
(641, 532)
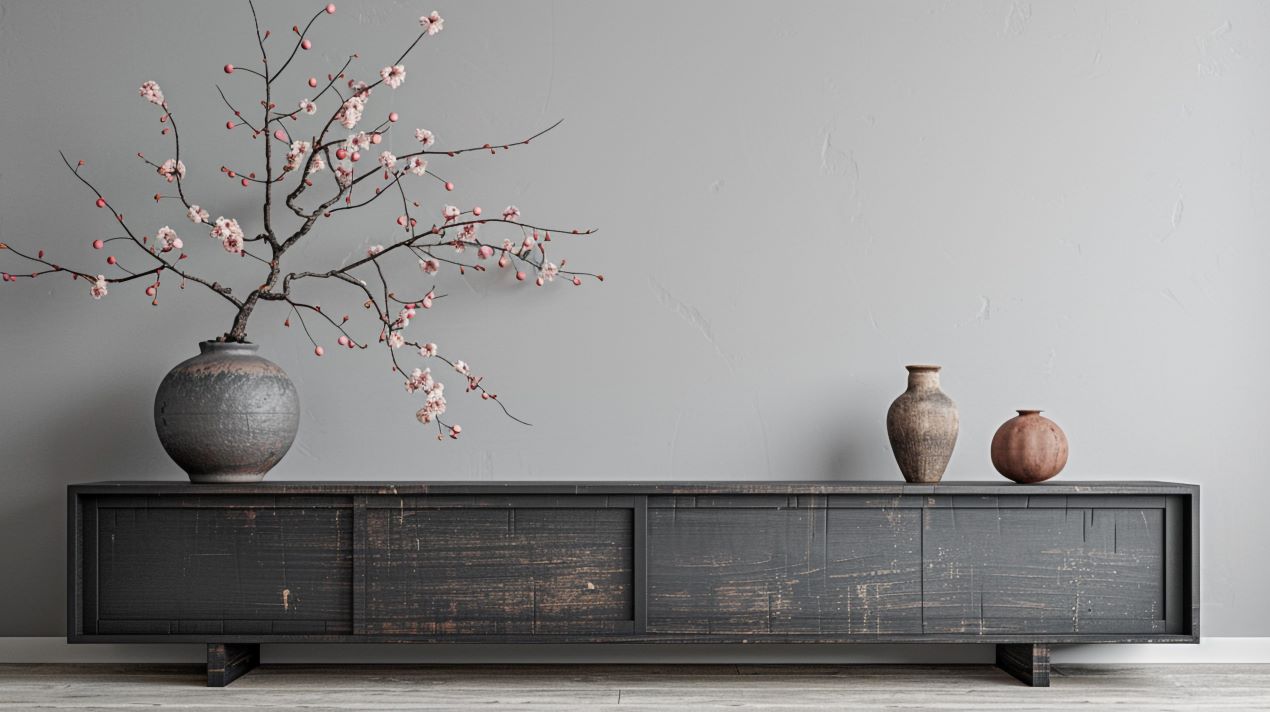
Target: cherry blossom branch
(486, 147)
(329, 9)
(320, 151)
(224, 292)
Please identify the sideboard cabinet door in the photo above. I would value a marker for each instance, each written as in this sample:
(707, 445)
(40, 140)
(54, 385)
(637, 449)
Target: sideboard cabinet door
(472, 571)
(1065, 570)
(740, 570)
(221, 571)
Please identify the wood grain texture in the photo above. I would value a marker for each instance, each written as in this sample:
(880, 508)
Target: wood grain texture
(227, 662)
(1044, 570)
(740, 562)
(822, 571)
(1029, 663)
(498, 571)
(651, 688)
(223, 571)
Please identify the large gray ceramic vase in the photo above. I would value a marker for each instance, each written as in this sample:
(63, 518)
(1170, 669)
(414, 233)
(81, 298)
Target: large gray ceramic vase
(922, 425)
(226, 415)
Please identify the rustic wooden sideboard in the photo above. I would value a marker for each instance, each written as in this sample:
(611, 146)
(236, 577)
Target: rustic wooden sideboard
(1021, 566)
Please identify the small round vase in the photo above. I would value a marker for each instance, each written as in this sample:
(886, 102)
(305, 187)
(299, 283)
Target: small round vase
(1029, 448)
(226, 415)
(922, 425)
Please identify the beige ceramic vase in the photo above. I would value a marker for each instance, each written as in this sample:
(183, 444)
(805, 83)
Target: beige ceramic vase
(922, 425)
(1029, 448)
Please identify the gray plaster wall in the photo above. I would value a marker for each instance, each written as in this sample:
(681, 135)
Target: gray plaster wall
(1063, 203)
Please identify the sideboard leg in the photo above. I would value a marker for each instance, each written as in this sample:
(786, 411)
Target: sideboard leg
(1030, 662)
(227, 662)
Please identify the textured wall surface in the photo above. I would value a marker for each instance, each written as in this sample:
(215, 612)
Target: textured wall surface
(1062, 203)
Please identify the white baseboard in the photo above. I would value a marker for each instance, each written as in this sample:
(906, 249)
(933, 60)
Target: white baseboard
(56, 650)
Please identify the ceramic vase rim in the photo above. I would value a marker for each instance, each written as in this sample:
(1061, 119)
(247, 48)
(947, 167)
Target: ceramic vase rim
(923, 368)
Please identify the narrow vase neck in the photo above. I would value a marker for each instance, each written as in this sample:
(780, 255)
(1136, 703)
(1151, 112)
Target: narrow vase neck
(923, 378)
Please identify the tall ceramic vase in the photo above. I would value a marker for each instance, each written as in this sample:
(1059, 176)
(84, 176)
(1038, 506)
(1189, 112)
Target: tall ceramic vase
(226, 415)
(922, 425)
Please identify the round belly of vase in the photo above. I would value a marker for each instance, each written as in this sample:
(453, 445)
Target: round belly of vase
(226, 415)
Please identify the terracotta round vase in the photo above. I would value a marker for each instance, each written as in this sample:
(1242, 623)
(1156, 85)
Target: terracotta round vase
(922, 425)
(1029, 448)
(226, 415)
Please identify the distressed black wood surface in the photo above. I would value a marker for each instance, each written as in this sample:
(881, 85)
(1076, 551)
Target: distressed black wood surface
(1068, 570)
(745, 570)
(223, 571)
(1030, 663)
(227, 662)
(498, 570)
(633, 562)
(332, 488)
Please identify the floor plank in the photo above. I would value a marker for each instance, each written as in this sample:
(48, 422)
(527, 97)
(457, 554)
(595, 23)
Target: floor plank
(627, 688)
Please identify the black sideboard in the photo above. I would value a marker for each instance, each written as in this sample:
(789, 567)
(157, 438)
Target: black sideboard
(1021, 566)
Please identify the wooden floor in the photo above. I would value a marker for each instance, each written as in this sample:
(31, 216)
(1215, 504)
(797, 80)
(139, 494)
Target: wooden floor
(636, 687)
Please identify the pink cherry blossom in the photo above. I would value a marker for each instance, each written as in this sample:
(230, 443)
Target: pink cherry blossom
(485, 252)
(462, 368)
(230, 235)
(374, 250)
(434, 406)
(351, 112)
(360, 141)
(172, 169)
(297, 151)
(167, 239)
(317, 163)
(432, 23)
(528, 244)
(418, 166)
(429, 266)
(360, 89)
(393, 76)
(467, 234)
(425, 137)
(151, 93)
(233, 244)
(396, 340)
(450, 212)
(308, 107)
(511, 212)
(428, 350)
(420, 380)
(196, 214)
(98, 290)
(387, 160)
(344, 174)
(549, 272)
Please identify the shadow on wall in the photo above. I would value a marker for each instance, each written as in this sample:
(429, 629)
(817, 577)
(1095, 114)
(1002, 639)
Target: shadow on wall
(852, 454)
(102, 434)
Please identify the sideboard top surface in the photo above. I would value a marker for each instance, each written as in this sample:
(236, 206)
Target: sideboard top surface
(791, 487)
